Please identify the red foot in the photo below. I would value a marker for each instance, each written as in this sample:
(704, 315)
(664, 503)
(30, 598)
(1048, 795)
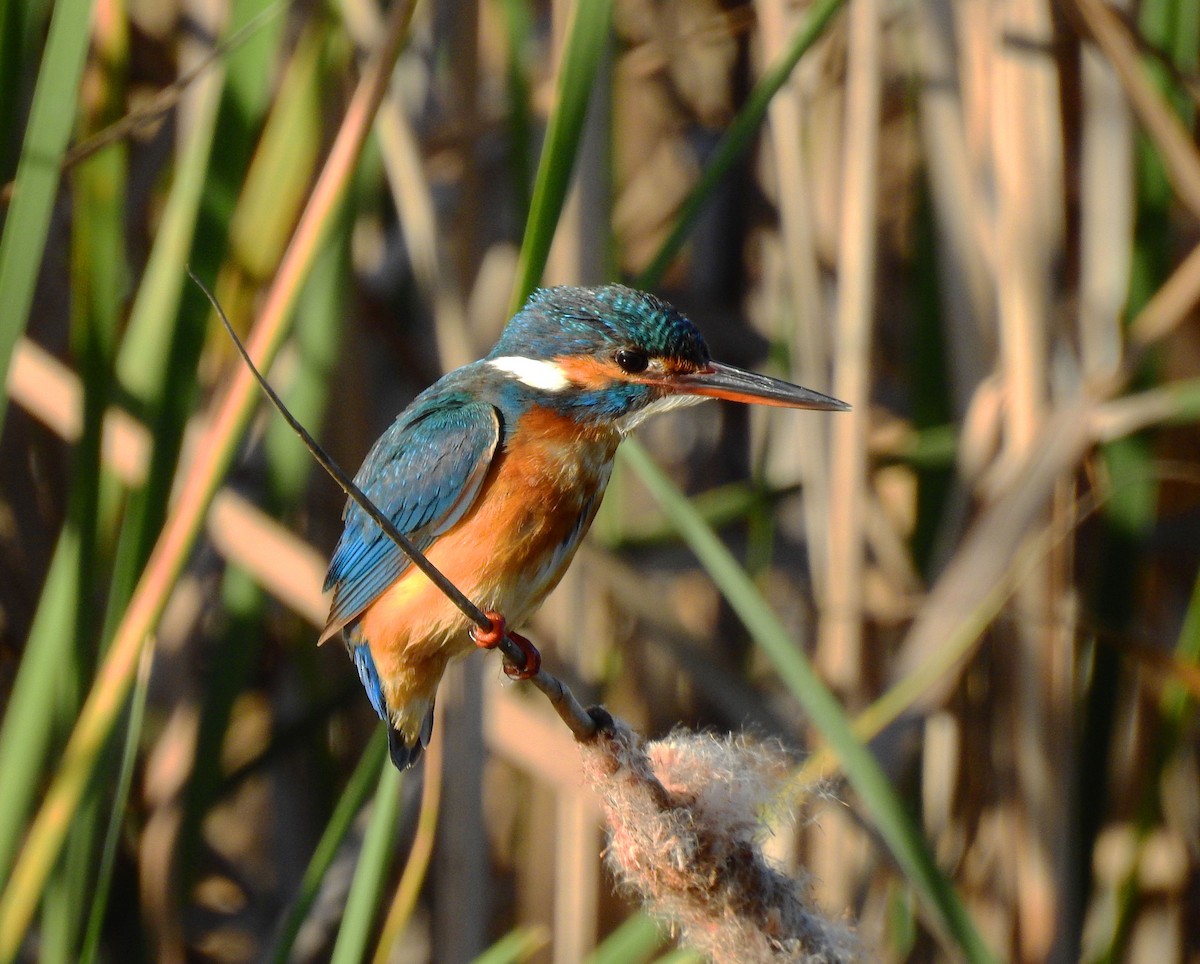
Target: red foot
(533, 659)
(491, 638)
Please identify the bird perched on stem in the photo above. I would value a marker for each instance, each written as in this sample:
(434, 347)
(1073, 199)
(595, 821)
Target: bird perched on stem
(495, 472)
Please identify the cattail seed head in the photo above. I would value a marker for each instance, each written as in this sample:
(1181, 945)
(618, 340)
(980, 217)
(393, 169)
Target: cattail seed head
(686, 828)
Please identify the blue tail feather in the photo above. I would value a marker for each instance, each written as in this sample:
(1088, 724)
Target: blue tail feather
(403, 753)
(369, 676)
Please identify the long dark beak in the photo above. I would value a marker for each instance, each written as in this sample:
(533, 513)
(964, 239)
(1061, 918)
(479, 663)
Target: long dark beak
(736, 385)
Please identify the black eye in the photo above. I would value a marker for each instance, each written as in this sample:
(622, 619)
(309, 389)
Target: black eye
(630, 361)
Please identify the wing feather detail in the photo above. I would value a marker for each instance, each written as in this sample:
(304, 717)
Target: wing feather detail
(425, 473)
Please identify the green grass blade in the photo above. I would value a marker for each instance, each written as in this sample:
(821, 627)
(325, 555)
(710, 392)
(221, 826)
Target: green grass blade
(55, 662)
(358, 788)
(38, 171)
(25, 736)
(719, 506)
(53, 710)
(1127, 517)
(585, 45)
(271, 198)
(370, 875)
(140, 363)
(64, 891)
(318, 322)
(318, 335)
(116, 820)
(889, 814)
(634, 942)
(518, 24)
(159, 355)
(22, 27)
(1175, 707)
(932, 405)
(98, 284)
(215, 452)
(278, 179)
(739, 137)
(1177, 700)
(517, 945)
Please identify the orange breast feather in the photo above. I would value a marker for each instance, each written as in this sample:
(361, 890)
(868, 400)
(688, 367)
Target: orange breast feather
(508, 551)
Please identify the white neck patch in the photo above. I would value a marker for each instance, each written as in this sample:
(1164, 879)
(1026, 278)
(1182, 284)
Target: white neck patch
(537, 373)
(627, 423)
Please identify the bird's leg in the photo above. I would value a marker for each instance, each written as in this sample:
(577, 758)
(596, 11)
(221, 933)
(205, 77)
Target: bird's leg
(494, 637)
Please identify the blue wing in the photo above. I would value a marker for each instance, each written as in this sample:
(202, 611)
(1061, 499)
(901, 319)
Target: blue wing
(424, 473)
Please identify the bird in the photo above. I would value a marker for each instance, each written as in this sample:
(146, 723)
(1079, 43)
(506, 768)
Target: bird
(495, 473)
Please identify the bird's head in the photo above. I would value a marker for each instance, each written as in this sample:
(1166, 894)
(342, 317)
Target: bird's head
(614, 355)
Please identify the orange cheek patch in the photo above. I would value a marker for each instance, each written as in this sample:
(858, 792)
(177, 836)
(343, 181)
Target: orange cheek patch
(588, 372)
(596, 373)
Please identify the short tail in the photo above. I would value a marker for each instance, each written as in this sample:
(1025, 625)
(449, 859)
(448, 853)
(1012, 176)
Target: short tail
(405, 754)
(405, 750)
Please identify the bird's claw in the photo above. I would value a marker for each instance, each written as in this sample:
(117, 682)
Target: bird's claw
(533, 659)
(493, 637)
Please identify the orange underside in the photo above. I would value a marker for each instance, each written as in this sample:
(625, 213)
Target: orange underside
(506, 554)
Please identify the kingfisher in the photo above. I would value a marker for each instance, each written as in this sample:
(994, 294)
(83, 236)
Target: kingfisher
(496, 471)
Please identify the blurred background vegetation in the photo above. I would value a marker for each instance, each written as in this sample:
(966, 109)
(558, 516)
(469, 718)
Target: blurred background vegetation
(976, 220)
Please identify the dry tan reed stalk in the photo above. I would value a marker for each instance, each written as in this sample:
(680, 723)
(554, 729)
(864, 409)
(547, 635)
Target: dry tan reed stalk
(1033, 684)
(840, 639)
(802, 271)
(1097, 21)
(416, 212)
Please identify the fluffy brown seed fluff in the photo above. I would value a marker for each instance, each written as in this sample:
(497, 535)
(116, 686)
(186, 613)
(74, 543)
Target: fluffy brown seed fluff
(686, 828)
